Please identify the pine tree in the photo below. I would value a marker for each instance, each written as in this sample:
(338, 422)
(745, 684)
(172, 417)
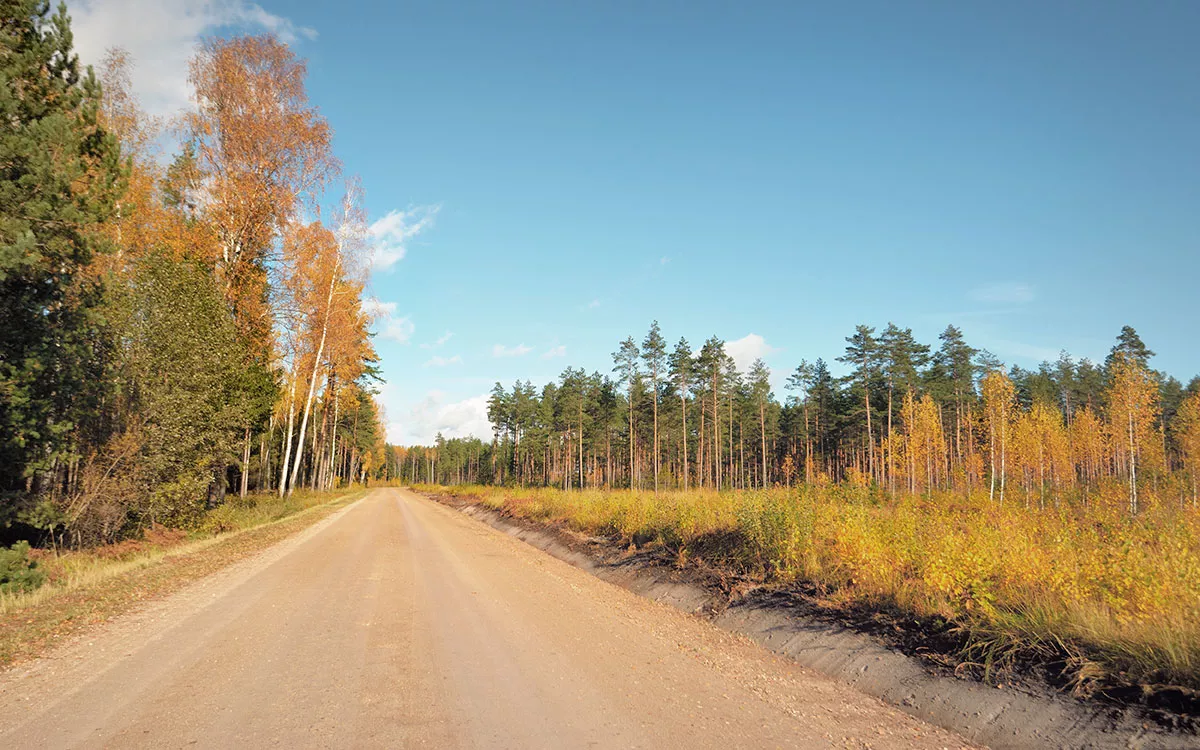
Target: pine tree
(955, 361)
(823, 395)
(625, 361)
(902, 357)
(709, 366)
(1130, 346)
(862, 353)
(760, 393)
(654, 356)
(801, 381)
(60, 175)
(681, 367)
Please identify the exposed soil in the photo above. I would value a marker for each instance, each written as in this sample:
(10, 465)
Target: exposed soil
(913, 664)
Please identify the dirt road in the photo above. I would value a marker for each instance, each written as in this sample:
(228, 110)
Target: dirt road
(401, 623)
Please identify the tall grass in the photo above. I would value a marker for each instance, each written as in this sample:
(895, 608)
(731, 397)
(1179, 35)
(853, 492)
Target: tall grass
(1120, 596)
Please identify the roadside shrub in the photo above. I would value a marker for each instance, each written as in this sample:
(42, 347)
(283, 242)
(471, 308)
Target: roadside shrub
(17, 571)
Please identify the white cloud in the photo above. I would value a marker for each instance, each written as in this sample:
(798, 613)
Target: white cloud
(441, 341)
(747, 349)
(520, 350)
(664, 260)
(162, 35)
(393, 232)
(400, 330)
(1005, 292)
(436, 361)
(555, 351)
(377, 309)
(432, 415)
(593, 304)
(385, 323)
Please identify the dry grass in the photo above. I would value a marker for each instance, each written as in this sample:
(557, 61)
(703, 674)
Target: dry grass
(85, 587)
(1117, 597)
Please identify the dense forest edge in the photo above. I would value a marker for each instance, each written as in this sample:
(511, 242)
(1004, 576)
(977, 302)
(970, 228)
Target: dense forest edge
(1040, 517)
(183, 326)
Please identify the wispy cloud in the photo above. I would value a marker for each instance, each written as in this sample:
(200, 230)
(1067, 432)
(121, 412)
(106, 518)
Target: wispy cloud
(1004, 293)
(441, 341)
(520, 350)
(436, 361)
(385, 323)
(555, 351)
(162, 35)
(400, 330)
(393, 232)
(593, 304)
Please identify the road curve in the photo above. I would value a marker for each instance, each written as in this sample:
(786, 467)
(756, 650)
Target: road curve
(402, 623)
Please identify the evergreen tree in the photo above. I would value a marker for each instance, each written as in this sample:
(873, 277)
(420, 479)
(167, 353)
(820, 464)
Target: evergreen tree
(1129, 345)
(760, 394)
(60, 174)
(801, 381)
(681, 367)
(625, 361)
(709, 364)
(654, 356)
(955, 363)
(823, 396)
(902, 358)
(862, 353)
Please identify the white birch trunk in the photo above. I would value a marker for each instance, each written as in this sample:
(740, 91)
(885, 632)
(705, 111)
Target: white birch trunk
(287, 443)
(312, 384)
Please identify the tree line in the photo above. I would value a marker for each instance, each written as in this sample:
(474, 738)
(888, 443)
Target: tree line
(174, 327)
(907, 417)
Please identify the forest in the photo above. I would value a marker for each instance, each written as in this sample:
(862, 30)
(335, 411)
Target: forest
(182, 315)
(906, 418)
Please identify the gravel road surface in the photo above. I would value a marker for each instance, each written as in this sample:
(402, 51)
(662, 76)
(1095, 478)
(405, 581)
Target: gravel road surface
(398, 622)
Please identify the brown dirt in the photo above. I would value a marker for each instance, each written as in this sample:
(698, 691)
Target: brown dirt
(398, 622)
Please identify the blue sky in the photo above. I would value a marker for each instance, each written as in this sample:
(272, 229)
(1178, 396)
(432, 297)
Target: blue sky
(557, 175)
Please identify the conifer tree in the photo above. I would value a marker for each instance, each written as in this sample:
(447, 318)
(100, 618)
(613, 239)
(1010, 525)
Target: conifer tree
(625, 361)
(60, 176)
(654, 356)
(760, 392)
(1130, 346)
(681, 367)
(862, 352)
